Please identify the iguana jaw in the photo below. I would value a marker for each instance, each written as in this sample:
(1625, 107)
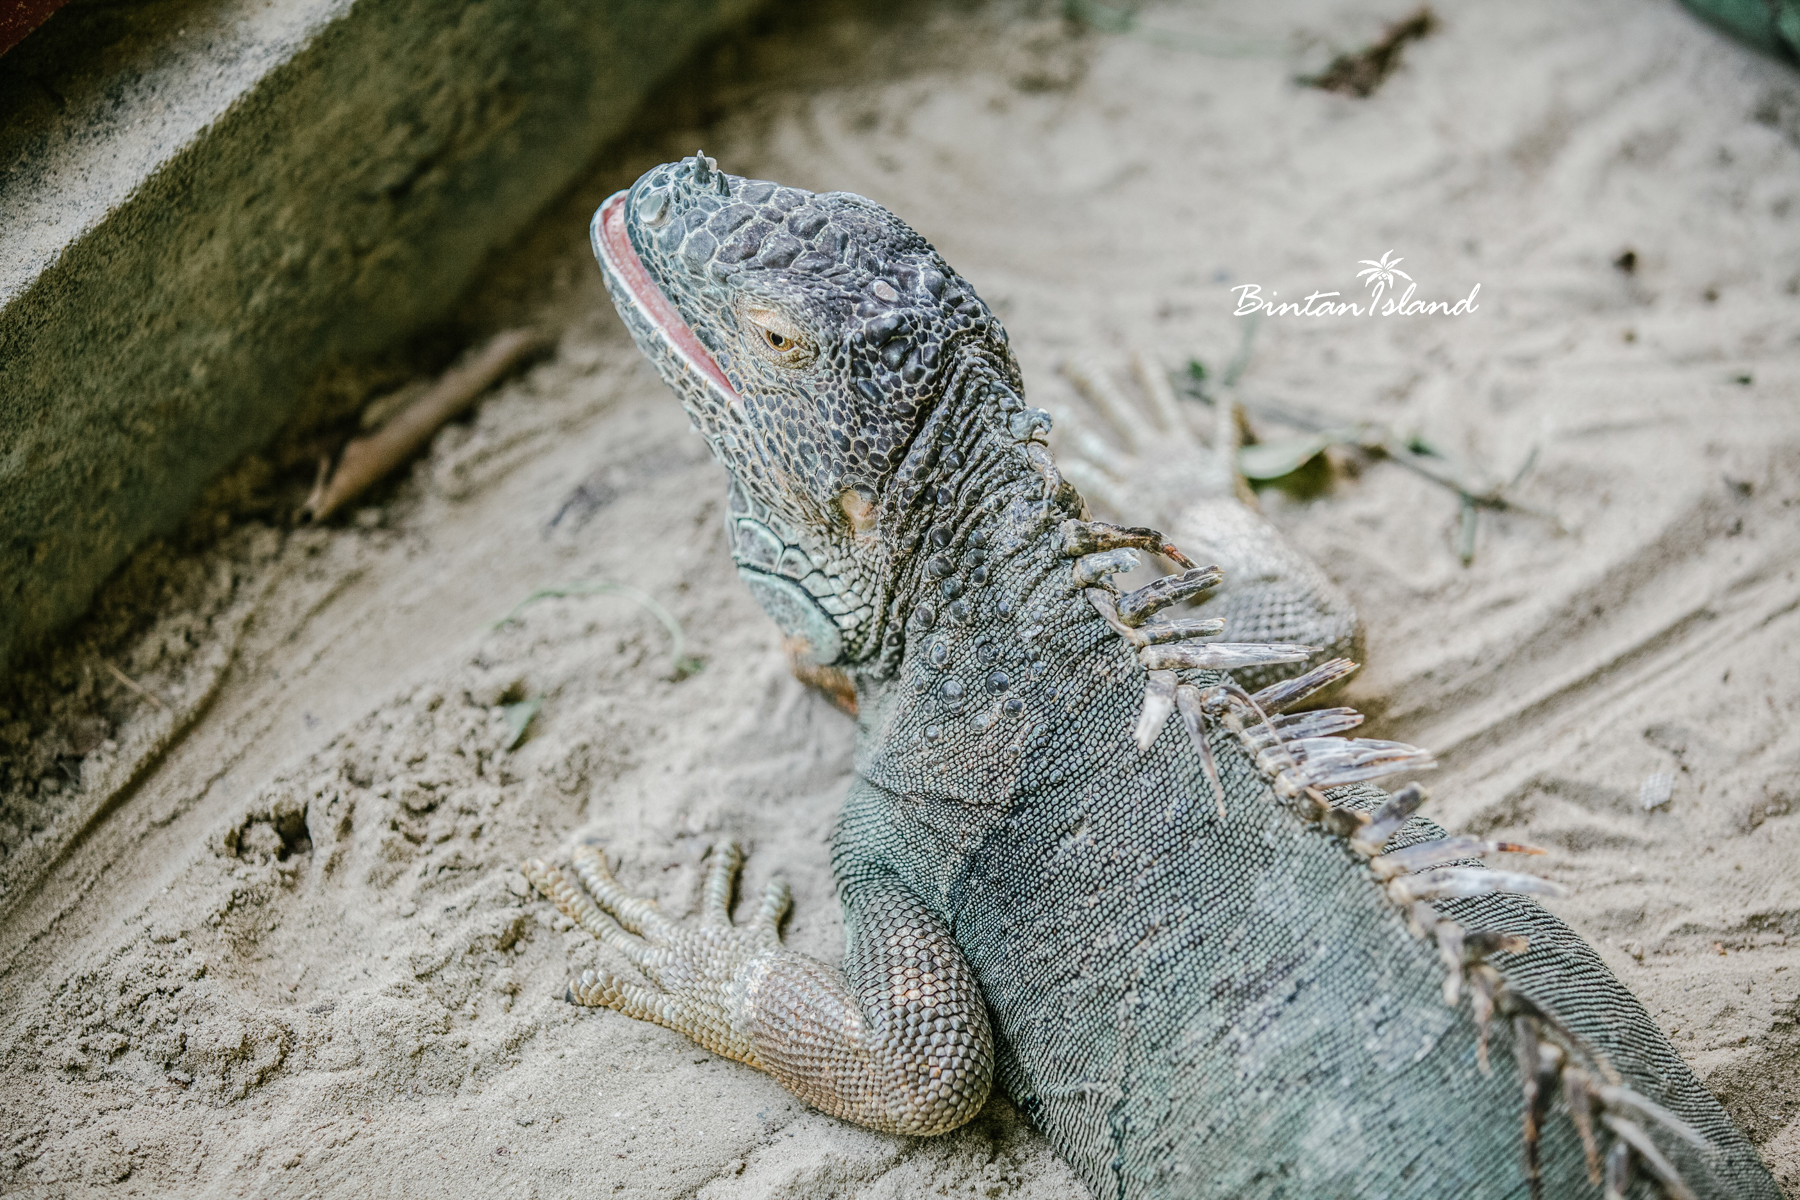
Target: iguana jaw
(631, 284)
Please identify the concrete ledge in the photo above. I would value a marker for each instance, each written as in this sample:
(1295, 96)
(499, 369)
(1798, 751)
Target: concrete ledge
(202, 202)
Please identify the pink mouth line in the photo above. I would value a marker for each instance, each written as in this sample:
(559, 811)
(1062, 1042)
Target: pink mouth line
(622, 260)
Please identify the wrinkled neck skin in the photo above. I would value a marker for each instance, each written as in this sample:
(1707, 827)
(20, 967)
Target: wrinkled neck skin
(985, 614)
(964, 504)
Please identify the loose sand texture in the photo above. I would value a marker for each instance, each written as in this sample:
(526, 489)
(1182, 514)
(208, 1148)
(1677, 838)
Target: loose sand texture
(263, 929)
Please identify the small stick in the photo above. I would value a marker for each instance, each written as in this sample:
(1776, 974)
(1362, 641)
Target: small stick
(133, 684)
(367, 459)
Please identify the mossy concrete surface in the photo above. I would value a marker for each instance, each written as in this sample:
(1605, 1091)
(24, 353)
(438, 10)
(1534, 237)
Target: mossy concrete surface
(203, 202)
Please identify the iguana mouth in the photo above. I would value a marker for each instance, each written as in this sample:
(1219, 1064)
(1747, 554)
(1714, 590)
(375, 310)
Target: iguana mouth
(612, 246)
(772, 564)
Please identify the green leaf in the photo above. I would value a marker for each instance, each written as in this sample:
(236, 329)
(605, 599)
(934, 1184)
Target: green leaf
(1282, 456)
(518, 718)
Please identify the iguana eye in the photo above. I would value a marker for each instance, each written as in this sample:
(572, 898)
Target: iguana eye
(777, 337)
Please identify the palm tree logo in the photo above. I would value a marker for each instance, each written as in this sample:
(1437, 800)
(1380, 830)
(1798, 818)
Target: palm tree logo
(1380, 275)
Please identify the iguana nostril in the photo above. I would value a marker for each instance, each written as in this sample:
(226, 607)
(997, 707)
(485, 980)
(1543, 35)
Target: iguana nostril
(653, 207)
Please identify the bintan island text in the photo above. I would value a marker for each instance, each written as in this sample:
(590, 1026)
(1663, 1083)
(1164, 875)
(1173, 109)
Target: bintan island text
(1383, 278)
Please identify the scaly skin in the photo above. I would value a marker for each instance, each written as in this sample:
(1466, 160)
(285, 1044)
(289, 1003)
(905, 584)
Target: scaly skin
(1216, 959)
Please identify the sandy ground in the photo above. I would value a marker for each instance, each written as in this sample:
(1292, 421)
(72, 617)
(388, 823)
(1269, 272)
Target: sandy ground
(264, 935)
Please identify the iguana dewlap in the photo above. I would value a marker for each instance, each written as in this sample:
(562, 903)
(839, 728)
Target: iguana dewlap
(1187, 936)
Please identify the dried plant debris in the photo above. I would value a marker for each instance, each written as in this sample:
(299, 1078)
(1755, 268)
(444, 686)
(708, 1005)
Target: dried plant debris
(1361, 72)
(1283, 459)
(366, 460)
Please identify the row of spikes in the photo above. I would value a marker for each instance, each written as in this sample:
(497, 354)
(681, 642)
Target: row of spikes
(1302, 754)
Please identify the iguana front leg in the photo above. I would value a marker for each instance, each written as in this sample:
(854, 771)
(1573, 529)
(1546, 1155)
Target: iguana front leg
(901, 1044)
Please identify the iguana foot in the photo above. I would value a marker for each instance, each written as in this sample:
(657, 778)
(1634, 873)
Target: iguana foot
(902, 1046)
(701, 972)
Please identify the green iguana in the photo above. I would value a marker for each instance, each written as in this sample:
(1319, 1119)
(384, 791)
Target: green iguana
(1170, 915)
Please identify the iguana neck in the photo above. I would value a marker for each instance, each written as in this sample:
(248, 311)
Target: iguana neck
(981, 600)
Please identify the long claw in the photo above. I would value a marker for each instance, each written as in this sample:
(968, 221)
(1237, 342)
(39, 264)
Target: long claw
(1578, 1097)
(777, 899)
(579, 907)
(1363, 763)
(1333, 762)
(1077, 537)
(1180, 630)
(1319, 723)
(1483, 982)
(1137, 607)
(1618, 1171)
(638, 915)
(1525, 1041)
(721, 878)
(1289, 692)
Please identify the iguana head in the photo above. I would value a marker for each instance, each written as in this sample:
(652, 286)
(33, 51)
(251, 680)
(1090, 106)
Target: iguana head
(811, 337)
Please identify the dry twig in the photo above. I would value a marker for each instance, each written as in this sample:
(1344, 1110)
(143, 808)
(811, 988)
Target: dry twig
(367, 459)
(133, 684)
